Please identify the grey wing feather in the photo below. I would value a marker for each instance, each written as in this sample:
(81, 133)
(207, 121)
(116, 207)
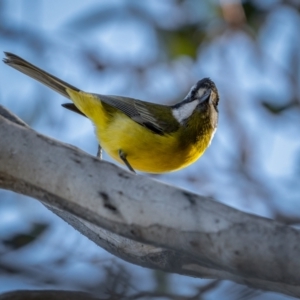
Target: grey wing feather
(126, 105)
(144, 113)
(135, 109)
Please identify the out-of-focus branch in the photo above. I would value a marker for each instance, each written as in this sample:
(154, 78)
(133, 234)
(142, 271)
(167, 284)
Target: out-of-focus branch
(146, 222)
(109, 295)
(47, 295)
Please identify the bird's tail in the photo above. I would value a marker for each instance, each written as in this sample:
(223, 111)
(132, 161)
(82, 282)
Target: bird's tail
(49, 80)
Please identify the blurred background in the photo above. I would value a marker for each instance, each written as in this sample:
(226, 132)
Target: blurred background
(154, 50)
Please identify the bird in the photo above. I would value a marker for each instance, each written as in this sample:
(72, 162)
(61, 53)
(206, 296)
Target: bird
(144, 136)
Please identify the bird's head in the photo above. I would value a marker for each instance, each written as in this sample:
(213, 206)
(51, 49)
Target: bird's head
(202, 97)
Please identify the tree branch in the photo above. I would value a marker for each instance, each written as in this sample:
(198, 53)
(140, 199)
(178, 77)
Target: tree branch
(147, 222)
(47, 295)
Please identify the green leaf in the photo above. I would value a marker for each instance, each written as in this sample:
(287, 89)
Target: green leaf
(183, 41)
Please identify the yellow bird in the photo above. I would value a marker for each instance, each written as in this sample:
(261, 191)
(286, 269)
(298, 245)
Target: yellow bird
(144, 136)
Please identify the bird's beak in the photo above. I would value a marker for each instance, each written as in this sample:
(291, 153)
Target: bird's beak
(205, 96)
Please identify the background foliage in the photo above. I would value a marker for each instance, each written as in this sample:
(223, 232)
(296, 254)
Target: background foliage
(155, 50)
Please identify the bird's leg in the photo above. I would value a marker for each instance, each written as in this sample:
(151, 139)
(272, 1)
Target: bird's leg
(99, 152)
(123, 157)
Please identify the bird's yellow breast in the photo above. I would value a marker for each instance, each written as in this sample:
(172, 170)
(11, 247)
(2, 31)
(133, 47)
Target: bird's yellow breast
(145, 150)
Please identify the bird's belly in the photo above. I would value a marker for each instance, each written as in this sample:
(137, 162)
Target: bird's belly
(145, 150)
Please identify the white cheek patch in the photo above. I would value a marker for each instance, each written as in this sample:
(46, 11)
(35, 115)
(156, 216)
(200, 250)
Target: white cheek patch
(184, 111)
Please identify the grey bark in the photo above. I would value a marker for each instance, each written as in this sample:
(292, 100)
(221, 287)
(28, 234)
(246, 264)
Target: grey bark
(145, 221)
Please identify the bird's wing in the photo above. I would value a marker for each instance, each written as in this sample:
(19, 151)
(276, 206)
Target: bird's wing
(157, 118)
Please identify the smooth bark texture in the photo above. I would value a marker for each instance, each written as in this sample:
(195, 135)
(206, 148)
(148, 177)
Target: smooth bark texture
(147, 222)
